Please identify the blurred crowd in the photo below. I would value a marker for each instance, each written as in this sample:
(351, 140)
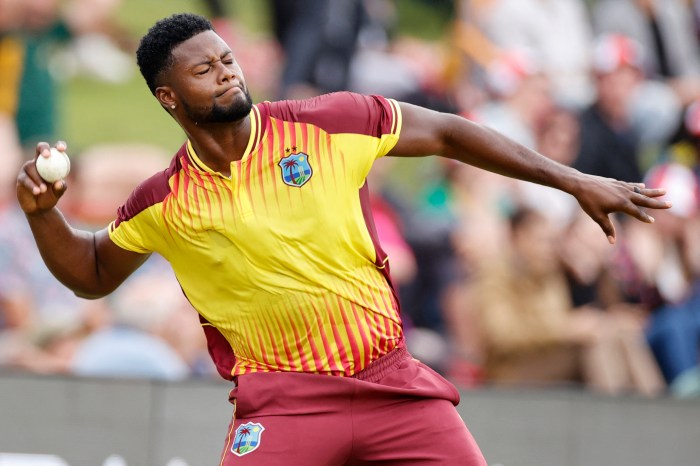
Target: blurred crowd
(501, 282)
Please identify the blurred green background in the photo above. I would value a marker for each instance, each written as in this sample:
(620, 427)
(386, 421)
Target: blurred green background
(93, 111)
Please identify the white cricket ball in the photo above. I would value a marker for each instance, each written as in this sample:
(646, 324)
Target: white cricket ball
(55, 167)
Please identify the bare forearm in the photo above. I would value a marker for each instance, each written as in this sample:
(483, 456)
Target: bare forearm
(68, 253)
(425, 132)
(90, 264)
(485, 148)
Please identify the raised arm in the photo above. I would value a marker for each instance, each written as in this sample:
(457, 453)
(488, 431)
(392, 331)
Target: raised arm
(88, 263)
(425, 132)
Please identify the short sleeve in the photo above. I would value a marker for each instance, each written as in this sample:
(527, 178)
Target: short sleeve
(139, 226)
(362, 128)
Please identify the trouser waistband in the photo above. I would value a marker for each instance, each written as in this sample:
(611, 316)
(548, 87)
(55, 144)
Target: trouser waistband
(384, 365)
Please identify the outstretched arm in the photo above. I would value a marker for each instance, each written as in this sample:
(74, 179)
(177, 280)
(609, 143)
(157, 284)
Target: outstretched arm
(425, 132)
(88, 263)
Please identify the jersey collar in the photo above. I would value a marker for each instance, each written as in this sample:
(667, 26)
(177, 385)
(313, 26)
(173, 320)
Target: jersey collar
(253, 142)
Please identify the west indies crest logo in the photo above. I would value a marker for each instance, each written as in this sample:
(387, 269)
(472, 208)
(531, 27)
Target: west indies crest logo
(296, 169)
(247, 439)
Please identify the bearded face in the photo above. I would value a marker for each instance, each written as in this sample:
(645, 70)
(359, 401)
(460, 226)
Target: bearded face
(221, 112)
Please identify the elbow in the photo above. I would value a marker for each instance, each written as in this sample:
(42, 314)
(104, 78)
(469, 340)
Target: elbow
(89, 295)
(93, 292)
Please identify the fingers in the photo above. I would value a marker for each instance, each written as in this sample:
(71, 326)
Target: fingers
(645, 198)
(43, 148)
(638, 202)
(607, 196)
(33, 193)
(649, 202)
(646, 192)
(642, 192)
(641, 215)
(29, 178)
(607, 226)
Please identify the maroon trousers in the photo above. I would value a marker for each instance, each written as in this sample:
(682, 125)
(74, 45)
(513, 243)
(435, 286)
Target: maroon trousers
(395, 412)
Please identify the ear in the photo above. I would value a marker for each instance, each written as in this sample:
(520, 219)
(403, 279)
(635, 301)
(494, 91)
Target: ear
(166, 97)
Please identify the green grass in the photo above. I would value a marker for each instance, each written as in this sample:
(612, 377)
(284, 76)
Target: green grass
(98, 112)
(426, 19)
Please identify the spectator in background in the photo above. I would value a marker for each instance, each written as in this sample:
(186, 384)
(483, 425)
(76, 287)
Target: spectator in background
(522, 97)
(588, 268)
(37, 103)
(99, 186)
(14, 318)
(533, 335)
(556, 32)
(609, 144)
(430, 228)
(523, 109)
(665, 30)
(684, 145)
(400, 67)
(139, 339)
(132, 345)
(36, 311)
(667, 261)
(44, 25)
(30, 31)
(695, 7)
(11, 55)
(470, 53)
(318, 38)
(479, 203)
(43, 325)
(389, 213)
(558, 139)
(12, 156)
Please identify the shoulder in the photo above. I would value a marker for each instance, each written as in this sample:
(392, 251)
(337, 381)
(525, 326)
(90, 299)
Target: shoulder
(151, 191)
(340, 112)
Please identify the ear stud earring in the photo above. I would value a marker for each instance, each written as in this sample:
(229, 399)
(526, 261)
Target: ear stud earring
(173, 107)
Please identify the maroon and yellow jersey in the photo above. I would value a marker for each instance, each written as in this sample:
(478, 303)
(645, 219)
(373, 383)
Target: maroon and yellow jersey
(281, 258)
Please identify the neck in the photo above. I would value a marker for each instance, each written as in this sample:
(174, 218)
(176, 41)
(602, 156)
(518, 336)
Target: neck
(219, 144)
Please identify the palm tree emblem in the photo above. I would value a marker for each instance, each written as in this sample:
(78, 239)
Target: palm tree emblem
(244, 433)
(296, 169)
(247, 439)
(291, 166)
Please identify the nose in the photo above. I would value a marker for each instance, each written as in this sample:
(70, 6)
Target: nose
(226, 72)
(226, 75)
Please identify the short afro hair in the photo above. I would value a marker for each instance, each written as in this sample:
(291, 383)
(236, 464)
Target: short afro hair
(154, 54)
